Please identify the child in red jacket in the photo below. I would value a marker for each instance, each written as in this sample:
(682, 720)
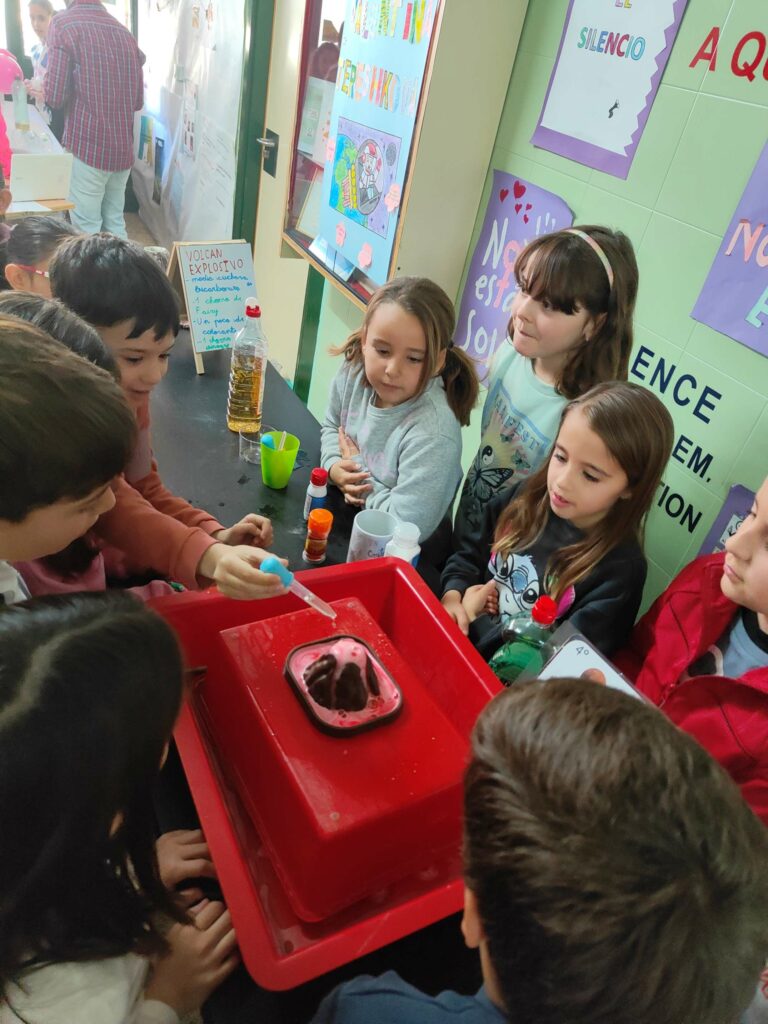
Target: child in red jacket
(701, 654)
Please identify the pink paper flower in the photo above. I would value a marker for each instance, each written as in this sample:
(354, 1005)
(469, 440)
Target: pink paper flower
(365, 256)
(330, 149)
(341, 234)
(392, 198)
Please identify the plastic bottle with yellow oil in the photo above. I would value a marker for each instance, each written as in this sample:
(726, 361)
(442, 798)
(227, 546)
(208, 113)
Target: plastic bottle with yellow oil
(247, 373)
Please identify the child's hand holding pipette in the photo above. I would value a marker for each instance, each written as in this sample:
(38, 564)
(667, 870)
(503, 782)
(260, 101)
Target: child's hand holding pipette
(236, 572)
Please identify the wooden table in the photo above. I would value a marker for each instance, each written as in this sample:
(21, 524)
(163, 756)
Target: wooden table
(50, 207)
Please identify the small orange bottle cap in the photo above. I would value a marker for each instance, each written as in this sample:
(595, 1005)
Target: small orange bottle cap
(320, 521)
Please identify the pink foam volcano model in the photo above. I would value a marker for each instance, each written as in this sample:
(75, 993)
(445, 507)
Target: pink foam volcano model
(342, 684)
(343, 679)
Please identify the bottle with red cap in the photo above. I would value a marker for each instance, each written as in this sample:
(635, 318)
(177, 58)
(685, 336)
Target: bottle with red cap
(317, 491)
(247, 373)
(526, 638)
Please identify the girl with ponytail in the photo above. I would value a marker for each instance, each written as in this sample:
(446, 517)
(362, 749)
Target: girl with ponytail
(391, 438)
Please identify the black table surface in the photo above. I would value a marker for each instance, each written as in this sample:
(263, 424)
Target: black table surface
(199, 460)
(198, 455)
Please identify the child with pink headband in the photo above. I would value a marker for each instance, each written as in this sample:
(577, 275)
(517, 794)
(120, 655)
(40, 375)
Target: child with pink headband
(570, 328)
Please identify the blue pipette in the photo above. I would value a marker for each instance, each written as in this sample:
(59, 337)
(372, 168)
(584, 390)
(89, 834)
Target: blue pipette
(274, 565)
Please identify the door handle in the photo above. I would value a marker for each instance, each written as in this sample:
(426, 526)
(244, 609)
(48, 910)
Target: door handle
(269, 144)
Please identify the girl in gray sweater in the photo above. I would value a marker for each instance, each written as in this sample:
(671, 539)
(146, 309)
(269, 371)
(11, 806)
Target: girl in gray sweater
(392, 433)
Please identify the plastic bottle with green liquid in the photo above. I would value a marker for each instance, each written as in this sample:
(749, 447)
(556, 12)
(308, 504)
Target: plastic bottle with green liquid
(525, 641)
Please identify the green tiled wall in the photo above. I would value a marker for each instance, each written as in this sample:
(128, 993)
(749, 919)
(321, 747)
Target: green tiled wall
(702, 139)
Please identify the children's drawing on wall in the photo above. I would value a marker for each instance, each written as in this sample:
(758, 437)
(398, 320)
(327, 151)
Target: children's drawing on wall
(365, 165)
(146, 141)
(315, 119)
(382, 55)
(176, 192)
(157, 189)
(189, 118)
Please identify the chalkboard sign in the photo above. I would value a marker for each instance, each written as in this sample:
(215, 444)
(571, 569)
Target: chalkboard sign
(214, 279)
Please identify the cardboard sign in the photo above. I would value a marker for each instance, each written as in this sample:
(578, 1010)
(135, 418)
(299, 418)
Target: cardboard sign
(214, 279)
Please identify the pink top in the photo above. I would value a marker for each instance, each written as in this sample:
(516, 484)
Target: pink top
(40, 580)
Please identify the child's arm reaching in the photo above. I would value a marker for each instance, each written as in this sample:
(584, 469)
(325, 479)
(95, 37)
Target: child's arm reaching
(251, 529)
(468, 565)
(482, 599)
(150, 540)
(201, 956)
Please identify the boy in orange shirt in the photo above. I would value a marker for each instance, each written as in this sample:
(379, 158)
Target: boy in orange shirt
(124, 294)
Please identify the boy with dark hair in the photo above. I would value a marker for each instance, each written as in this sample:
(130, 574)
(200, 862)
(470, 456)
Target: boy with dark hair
(120, 290)
(66, 434)
(613, 874)
(701, 654)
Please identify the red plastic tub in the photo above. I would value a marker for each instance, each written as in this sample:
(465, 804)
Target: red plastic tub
(263, 778)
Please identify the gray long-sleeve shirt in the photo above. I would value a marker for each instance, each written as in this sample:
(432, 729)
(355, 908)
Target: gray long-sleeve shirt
(412, 451)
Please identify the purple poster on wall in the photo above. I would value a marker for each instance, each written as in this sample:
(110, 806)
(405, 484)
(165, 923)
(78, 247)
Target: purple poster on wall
(611, 58)
(730, 517)
(734, 299)
(517, 212)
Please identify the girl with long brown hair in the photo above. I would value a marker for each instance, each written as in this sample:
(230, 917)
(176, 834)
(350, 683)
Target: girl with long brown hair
(398, 404)
(574, 530)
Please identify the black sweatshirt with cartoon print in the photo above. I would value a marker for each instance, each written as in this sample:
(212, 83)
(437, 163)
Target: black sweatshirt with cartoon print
(603, 605)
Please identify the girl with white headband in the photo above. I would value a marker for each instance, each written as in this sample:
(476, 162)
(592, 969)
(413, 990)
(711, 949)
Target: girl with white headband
(570, 328)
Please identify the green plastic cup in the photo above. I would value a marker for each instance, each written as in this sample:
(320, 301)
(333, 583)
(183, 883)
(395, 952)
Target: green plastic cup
(277, 463)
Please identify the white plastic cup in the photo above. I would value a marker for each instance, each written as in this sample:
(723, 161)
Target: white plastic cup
(372, 530)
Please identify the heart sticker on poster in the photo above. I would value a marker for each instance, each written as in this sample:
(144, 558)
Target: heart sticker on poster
(519, 189)
(503, 193)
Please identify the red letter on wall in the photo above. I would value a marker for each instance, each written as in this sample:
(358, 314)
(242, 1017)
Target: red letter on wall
(708, 49)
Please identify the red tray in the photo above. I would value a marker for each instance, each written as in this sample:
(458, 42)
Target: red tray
(280, 950)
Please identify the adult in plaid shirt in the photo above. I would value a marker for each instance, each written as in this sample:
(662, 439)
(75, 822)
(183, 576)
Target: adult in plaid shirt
(94, 72)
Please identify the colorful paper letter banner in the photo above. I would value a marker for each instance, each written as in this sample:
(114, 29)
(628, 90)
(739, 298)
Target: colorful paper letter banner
(734, 299)
(610, 62)
(378, 87)
(517, 212)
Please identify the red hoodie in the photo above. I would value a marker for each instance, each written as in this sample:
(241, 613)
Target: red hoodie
(729, 717)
